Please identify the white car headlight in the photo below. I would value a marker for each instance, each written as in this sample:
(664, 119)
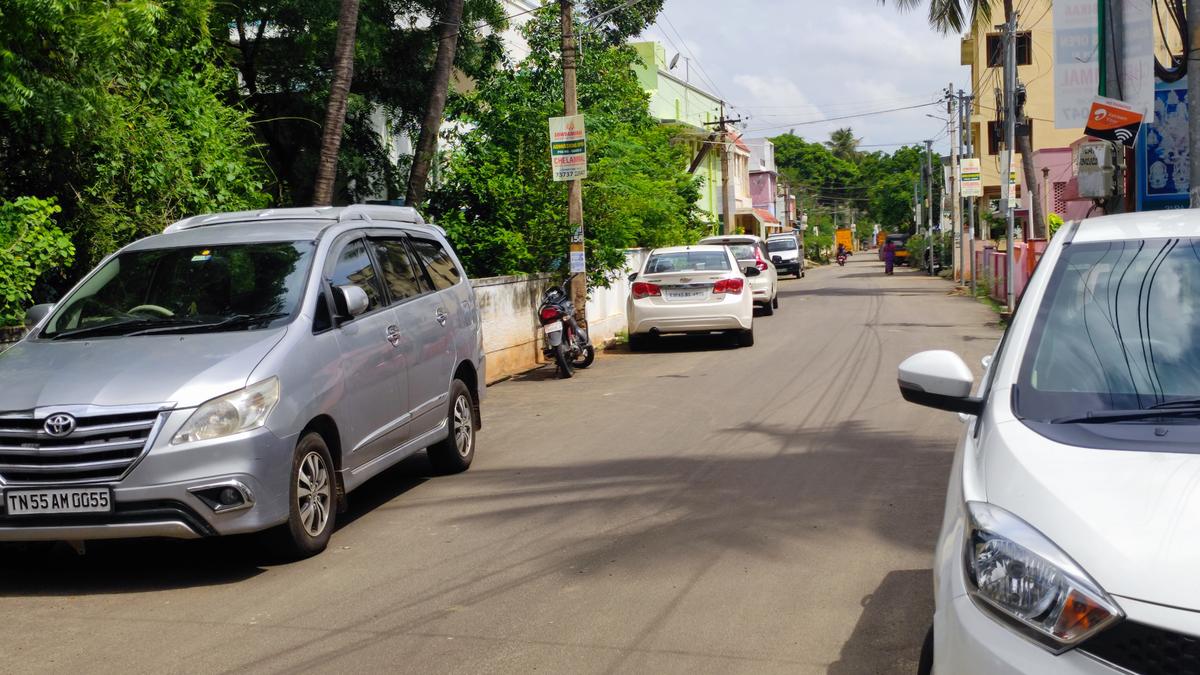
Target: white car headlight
(235, 412)
(1026, 580)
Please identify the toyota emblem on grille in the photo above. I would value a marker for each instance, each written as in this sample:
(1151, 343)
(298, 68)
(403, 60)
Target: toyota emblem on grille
(59, 425)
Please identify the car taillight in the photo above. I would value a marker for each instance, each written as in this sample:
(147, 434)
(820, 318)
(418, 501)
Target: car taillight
(550, 314)
(733, 286)
(641, 289)
(759, 262)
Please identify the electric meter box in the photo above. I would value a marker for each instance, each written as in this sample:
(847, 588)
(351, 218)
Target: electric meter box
(1096, 165)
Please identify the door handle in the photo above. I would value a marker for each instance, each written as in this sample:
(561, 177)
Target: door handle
(393, 335)
(441, 316)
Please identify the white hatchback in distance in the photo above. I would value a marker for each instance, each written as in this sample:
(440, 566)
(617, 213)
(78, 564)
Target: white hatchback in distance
(690, 289)
(1071, 536)
(752, 251)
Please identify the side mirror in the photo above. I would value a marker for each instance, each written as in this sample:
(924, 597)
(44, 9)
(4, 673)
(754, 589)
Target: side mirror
(633, 277)
(350, 300)
(752, 271)
(35, 314)
(939, 379)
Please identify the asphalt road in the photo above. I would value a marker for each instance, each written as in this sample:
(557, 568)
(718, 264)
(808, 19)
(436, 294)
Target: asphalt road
(697, 509)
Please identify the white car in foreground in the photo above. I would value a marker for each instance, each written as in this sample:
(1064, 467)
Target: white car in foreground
(690, 289)
(1071, 536)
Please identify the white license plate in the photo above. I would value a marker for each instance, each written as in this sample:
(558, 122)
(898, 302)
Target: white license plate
(687, 295)
(71, 500)
(552, 327)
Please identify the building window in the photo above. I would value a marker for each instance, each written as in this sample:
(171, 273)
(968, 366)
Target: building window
(996, 134)
(995, 50)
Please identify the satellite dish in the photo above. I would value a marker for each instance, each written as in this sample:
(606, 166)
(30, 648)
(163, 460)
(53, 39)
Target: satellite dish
(674, 61)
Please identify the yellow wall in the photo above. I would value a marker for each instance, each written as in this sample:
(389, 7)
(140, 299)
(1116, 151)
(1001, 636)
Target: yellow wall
(1037, 17)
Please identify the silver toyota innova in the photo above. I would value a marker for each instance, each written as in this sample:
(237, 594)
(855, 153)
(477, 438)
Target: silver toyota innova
(237, 373)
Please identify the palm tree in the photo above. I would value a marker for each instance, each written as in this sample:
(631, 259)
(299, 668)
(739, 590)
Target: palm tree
(843, 144)
(443, 65)
(949, 16)
(335, 109)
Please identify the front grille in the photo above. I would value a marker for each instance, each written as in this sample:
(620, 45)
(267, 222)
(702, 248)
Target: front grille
(101, 448)
(1146, 650)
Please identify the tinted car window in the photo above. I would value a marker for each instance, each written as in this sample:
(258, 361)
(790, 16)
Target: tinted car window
(401, 277)
(742, 251)
(1117, 329)
(438, 264)
(354, 267)
(776, 245)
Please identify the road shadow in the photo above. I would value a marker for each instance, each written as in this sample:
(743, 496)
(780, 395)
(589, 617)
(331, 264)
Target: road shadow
(670, 344)
(141, 565)
(891, 629)
(902, 291)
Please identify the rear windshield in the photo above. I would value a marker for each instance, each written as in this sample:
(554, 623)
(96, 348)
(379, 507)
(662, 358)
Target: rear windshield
(1119, 329)
(774, 245)
(688, 261)
(743, 251)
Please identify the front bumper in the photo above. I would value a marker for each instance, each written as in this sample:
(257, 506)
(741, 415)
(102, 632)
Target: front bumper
(157, 498)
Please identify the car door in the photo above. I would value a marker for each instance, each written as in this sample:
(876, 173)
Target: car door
(433, 318)
(374, 409)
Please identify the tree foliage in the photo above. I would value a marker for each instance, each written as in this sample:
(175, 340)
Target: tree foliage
(498, 201)
(111, 108)
(30, 244)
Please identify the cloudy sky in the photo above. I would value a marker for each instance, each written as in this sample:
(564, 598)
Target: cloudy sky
(783, 63)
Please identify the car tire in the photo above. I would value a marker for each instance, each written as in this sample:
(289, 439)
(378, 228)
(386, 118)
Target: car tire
(775, 301)
(925, 664)
(746, 337)
(312, 490)
(565, 369)
(454, 453)
(767, 308)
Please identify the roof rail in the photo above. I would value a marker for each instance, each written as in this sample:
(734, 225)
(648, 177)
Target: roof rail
(367, 212)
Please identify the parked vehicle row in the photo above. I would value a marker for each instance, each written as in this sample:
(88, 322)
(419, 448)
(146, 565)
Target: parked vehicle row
(712, 287)
(239, 373)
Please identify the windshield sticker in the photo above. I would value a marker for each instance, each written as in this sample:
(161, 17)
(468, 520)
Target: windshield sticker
(202, 256)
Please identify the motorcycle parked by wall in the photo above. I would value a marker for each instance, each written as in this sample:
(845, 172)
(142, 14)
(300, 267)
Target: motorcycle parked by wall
(566, 343)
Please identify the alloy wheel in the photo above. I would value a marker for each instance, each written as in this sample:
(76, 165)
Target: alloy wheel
(314, 493)
(464, 426)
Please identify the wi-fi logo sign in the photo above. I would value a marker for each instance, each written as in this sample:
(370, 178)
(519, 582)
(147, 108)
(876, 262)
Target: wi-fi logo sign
(1124, 135)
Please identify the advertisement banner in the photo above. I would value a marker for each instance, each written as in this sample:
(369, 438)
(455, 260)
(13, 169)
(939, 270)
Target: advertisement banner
(1113, 120)
(1163, 170)
(1077, 59)
(972, 177)
(568, 148)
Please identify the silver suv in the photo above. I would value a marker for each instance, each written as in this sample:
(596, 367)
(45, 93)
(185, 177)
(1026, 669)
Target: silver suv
(237, 373)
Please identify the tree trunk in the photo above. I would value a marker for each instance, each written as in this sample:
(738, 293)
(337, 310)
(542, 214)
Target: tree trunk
(335, 111)
(439, 88)
(1037, 219)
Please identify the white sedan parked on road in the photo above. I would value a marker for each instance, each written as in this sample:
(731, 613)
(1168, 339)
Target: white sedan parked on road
(1069, 542)
(750, 250)
(690, 289)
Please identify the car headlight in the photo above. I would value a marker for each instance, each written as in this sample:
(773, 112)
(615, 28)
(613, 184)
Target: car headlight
(1023, 578)
(233, 413)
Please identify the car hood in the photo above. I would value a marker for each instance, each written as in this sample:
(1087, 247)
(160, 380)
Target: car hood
(1129, 518)
(184, 370)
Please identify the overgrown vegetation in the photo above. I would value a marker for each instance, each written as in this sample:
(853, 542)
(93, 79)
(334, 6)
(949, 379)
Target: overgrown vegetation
(30, 245)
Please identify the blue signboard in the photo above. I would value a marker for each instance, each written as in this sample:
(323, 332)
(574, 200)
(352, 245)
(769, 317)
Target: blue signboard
(1163, 169)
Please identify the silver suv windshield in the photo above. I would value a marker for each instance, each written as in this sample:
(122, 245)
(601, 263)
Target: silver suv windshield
(1116, 336)
(181, 290)
(788, 244)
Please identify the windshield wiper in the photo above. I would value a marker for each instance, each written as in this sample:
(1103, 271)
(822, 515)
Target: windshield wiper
(1181, 403)
(1102, 416)
(235, 321)
(115, 328)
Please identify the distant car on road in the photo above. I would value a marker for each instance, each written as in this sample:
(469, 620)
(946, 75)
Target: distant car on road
(237, 373)
(1069, 542)
(900, 239)
(786, 254)
(752, 251)
(691, 289)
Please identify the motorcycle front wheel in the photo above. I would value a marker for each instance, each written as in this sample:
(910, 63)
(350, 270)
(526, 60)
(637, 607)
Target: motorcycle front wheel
(565, 369)
(587, 354)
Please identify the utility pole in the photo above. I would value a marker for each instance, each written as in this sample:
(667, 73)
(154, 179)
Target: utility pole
(726, 183)
(964, 106)
(916, 206)
(929, 216)
(1193, 101)
(955, 176)
(574, 187)
(1010, 118)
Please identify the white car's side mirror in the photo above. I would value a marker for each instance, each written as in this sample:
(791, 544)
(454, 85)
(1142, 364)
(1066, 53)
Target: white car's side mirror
(939, 379)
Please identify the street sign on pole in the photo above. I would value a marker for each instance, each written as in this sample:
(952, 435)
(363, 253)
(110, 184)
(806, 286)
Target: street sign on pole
(568, 148)
(972, 179)
(1113, 120)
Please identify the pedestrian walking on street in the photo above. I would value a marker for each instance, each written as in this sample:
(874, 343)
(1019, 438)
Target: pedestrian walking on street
(889, 256)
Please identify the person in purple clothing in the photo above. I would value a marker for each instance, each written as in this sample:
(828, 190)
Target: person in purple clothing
(889, 256)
